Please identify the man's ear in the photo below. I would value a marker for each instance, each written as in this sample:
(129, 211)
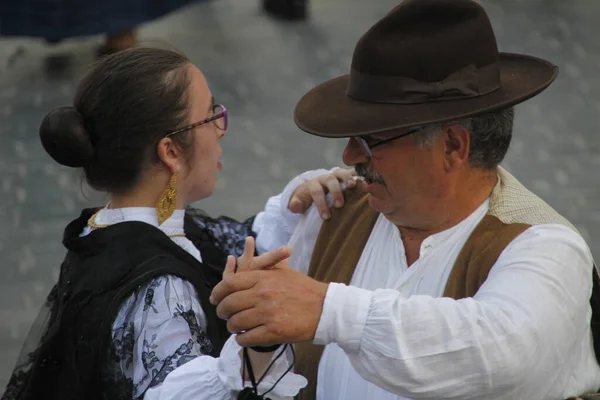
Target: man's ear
(457, 140)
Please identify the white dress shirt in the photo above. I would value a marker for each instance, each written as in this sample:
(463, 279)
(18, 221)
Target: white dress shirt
(391, 335)
(163, 328)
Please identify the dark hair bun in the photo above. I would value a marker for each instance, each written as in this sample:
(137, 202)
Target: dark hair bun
(64, 137)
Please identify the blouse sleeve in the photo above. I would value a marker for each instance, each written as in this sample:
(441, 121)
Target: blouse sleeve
(227, 234)
(160, 329)
(211, 378)
(276, 223)
(271, 227)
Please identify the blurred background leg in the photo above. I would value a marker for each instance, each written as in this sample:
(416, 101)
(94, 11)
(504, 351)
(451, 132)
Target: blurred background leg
(287, 9)
(118, 41)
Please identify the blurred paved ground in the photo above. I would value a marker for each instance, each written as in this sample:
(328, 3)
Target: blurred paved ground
(259, 68)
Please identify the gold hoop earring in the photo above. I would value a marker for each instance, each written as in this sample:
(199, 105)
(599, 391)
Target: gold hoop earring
(166, 202)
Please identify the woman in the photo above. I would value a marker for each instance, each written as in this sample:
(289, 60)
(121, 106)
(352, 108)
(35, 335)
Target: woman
(55, 20)
(131, 303)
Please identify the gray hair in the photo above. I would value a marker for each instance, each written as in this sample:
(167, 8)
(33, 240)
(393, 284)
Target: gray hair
(490, 136)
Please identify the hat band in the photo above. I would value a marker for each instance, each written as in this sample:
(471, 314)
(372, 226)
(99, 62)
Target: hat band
(464, 83)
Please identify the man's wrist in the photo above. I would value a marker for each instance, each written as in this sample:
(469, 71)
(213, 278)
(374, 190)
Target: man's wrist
(321, 293)
(344, 316)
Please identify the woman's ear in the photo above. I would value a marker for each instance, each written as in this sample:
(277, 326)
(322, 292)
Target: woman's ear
(169, 154)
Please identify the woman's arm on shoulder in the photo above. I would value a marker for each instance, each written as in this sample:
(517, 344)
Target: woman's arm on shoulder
(318, 189)
(274, 226)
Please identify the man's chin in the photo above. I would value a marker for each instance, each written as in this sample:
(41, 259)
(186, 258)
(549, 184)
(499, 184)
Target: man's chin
(379, 202)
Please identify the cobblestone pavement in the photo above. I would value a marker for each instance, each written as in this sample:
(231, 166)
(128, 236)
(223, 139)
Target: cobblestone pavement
(259, 68)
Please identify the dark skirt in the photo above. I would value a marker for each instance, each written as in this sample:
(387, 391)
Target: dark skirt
(54, 20)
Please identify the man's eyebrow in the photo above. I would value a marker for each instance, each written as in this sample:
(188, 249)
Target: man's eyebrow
(375, 137)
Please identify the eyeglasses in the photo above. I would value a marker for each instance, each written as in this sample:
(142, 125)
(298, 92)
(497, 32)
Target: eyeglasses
(219, 117)
(369, 147)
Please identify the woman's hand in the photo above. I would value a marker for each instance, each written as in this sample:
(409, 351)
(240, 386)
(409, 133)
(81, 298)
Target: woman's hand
(316, 190)
(248, 262)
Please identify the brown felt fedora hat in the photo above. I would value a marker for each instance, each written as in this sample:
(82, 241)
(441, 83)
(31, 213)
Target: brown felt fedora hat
(426, 61)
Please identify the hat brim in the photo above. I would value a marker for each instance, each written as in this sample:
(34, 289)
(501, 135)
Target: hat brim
(328, 111)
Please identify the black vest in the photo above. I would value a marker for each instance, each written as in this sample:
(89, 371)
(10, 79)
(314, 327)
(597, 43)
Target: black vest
(99, 272)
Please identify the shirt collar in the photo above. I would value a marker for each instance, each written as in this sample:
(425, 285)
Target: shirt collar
(172, 227)
(467, 224)
(110, 216)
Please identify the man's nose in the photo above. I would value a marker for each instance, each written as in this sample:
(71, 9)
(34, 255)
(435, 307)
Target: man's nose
(354, 153)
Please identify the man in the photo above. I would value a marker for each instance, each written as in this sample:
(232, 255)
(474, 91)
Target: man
(464, 285)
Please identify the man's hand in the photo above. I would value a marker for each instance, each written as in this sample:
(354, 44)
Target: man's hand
(268, 306)
(315, 190)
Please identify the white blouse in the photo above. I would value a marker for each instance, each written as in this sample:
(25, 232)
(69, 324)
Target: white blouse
(159, 334)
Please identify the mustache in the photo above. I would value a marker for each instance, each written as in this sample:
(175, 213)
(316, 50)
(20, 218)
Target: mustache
(368, 173)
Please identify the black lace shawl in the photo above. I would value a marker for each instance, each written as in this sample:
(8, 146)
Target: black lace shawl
(69, 345)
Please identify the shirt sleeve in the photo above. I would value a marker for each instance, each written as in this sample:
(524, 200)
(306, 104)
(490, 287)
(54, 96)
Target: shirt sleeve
(161, 329)
(276, 223)
(513, 339)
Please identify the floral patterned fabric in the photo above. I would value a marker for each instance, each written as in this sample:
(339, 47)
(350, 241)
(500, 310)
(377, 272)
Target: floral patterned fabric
(159, 328)
(162, 325)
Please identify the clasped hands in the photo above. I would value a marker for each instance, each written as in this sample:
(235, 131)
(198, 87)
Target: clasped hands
(263, 299)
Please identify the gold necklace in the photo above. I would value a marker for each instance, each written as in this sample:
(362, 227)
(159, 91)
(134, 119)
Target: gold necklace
(92, 221)
(93, 225)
